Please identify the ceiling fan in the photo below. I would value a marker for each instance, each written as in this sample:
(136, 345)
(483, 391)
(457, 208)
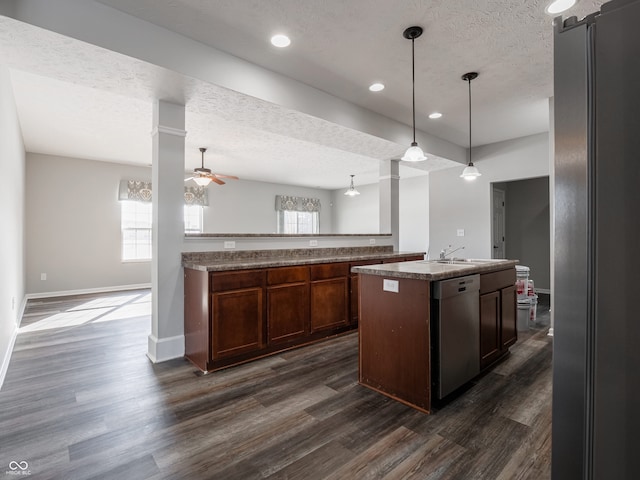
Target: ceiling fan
(203, 176)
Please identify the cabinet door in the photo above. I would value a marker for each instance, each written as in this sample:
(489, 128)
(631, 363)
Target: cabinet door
(287, 312)
(354, 292)
(329, 307)
(237, 322)
(509, 332)
(489, 328)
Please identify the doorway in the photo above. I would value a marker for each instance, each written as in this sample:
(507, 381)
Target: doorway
(520, 214)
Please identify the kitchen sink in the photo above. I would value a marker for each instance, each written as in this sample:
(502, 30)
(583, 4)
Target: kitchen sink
(463, 261)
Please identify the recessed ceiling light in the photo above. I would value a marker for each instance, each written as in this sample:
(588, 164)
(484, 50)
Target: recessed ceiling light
(559, 6)
(280, 41)
(435, 115)
(376, 87)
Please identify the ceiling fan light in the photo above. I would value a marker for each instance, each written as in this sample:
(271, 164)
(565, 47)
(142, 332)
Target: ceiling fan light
(470, 172)
(202, 181)
(414, 154)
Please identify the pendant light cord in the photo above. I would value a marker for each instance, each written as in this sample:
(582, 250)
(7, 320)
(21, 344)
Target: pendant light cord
(413, 86)
(469, 80)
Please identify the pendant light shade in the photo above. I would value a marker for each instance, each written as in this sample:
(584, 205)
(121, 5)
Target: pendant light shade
(414, 153)
(352, 192)
(470, 172)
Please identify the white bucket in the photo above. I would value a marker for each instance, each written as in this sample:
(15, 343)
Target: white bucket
(533, 304)
(522, 322)
(522, 281)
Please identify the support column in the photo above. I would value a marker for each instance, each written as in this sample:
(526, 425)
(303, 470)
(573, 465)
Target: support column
(167, 324)
(390, 199)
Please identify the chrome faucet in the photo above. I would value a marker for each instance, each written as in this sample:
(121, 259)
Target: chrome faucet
(444, 253)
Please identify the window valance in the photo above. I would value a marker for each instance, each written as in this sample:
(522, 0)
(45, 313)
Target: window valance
(297, 204)
(142, 192)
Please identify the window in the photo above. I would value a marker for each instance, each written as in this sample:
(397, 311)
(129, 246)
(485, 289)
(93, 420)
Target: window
(136, 230)
(298, 222)
(136, 221)
(193, 219)
(298, 214)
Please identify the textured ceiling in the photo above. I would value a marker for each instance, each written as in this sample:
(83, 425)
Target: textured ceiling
(80, 100)
(341, 47)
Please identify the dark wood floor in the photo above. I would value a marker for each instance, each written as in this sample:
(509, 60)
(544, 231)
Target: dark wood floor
(82, 401)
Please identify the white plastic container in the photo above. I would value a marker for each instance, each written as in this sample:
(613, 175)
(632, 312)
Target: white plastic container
(533, 304)
(522, 281)
(524, 312)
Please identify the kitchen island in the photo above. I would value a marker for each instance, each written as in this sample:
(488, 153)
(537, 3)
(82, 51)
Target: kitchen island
(414, 334)
(243, 305)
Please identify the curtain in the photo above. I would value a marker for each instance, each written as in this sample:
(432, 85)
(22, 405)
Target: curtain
(297, 204)
(142, 192)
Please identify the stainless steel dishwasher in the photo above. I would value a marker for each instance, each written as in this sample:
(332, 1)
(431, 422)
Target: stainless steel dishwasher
(455, 333)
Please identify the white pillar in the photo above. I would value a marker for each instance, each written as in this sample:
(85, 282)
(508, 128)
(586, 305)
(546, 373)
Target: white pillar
(167, 325)
(390, 199)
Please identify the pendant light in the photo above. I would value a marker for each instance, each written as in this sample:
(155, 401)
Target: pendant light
(352, 192)
(414, 153)
(470, 172)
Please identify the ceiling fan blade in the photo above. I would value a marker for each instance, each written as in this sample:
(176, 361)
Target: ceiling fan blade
(188, 178)
(217, 180)
(232, 177)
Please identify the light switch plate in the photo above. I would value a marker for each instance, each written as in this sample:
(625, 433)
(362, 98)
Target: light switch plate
(390, 285)
(230, 244)
(461, 232)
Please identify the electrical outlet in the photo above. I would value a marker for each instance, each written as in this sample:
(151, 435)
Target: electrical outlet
(230, 244)
(372, 241)
(313, 243)
(43, 276)
(461, 232)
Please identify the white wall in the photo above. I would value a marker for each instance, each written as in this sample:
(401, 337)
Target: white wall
(359, 214)
(12, 166)
(414, 214)
(242, 206)
(73, 225)
(455, 203)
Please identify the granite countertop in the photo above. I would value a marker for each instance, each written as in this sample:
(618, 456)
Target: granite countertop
(218, 265)
(433, 270)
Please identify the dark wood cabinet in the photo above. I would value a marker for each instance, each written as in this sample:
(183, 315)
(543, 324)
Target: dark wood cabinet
(237, 322)
(497, 315)
(329, 296)
(287, 304)
(489, 328)
(354, 310)
(235, 316)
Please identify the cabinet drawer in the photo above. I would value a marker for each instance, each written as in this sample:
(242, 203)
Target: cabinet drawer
(490, 282)
(329, 270)
(277, 276)
(235, 280)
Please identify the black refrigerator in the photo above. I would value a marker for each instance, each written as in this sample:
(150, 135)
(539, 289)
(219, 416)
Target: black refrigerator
(596, 353)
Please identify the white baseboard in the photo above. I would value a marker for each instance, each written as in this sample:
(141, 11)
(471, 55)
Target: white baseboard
(4, 367)
(163, 349)
(66, 293)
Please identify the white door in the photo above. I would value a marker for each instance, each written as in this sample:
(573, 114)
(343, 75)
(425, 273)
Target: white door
(498, 230)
